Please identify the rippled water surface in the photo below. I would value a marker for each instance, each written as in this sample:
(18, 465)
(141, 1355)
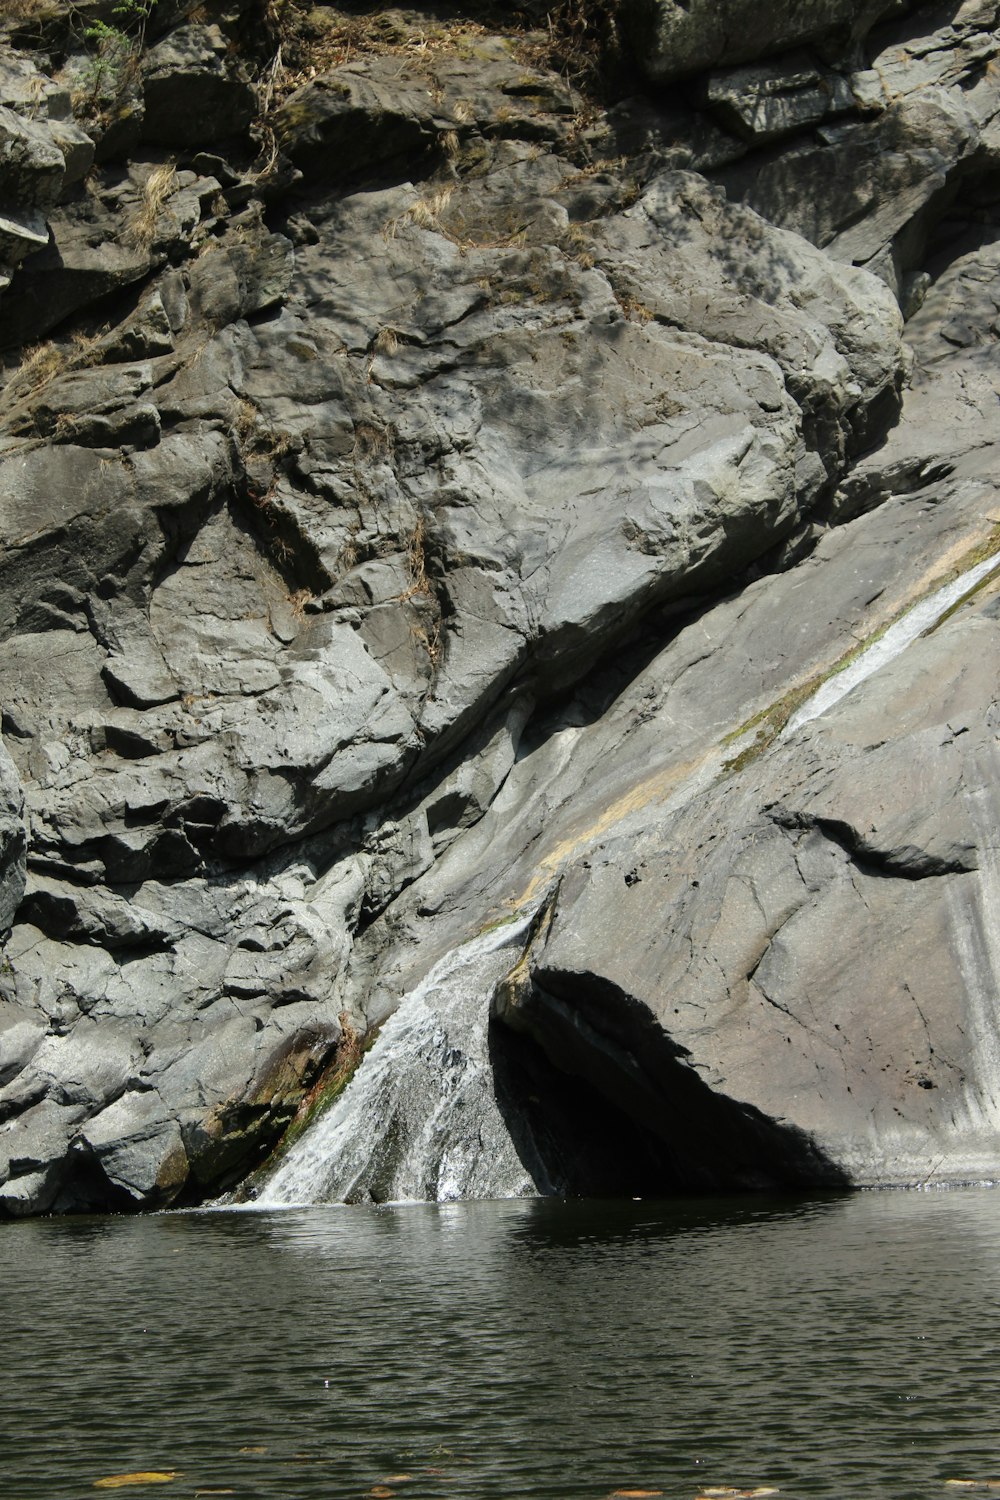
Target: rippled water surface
(848, 1346)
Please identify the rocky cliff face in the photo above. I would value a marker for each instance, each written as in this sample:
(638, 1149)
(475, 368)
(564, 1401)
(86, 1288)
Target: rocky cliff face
(433, 489)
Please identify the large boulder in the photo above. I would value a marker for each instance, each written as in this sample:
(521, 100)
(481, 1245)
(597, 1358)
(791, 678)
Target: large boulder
(856, 189)
(43, 153)
(768, 100)
(914, 131)
(32, 167)
(671, 39)
(381, 114)
(610, 463)
(103, 242)
(822, 991)
(805, 881)
(193, 93)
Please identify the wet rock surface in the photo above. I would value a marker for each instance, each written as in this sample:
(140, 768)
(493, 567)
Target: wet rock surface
(426, 494)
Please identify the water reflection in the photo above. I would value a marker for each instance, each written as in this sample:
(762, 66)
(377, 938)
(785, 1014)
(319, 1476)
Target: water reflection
(536, 1349)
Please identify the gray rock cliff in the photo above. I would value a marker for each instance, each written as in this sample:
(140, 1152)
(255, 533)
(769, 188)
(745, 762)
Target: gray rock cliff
(434, 489)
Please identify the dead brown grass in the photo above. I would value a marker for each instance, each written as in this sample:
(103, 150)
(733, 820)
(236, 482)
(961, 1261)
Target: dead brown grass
(416, 561)
(577, 39)
(634, 310)
(298, 601)
(429, 639)
(580, 42)
(386, 341)
(311, 40)
(43, 363)
(372, 442)
(40, 364)
(140, 230)
(425, 213)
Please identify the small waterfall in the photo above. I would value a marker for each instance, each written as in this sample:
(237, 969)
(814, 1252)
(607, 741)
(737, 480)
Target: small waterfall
(896, 639)
(419, 1119)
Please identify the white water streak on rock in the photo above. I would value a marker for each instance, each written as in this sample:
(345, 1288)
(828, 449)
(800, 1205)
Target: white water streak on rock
(896, 639)
(419, 1120)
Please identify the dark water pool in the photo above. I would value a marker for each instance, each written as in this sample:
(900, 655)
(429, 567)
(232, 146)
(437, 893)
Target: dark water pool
(847, 1346)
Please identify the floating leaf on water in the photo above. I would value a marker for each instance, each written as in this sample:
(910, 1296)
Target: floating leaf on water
(380, 1492)
(144, 1476)
(633, 1494)
(396, 1478)
(254, 1448)
(726, 1492)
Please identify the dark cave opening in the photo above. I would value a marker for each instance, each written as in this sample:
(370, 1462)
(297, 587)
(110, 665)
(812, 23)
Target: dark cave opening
(624, 1114)
(571, 1140)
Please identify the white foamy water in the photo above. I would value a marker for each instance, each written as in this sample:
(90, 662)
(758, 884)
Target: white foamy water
(896, 639)
(419, 1120)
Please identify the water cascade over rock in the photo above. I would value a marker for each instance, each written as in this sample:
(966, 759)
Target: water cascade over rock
(419, 1119)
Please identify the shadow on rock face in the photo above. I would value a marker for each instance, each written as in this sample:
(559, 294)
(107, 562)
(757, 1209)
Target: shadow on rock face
(570, 1140)
(600, 1101)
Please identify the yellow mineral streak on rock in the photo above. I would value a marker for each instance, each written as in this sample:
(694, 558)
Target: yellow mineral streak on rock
(650, 789)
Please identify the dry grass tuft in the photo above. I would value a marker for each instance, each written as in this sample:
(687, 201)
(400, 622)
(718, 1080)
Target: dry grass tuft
(36, 94)
(245, 422)
(314, 42)
(40, 365)
(577, 245)
(634, 310)
(85, 348)
(425, 213)
(372, 442)
(298, 601)
(429, 639)
(348, 556)
(386, 341)
(140, 230)
(416, 561)
(581, 42)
